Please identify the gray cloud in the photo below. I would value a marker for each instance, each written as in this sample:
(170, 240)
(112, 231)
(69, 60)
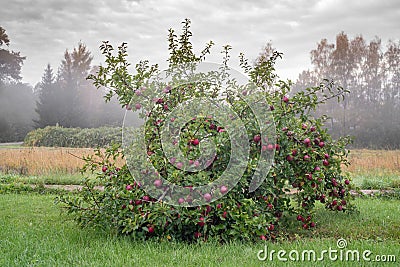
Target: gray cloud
(42, 29)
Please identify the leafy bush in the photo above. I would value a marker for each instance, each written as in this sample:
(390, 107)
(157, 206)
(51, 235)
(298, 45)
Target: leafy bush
(306, 159)
(55, 136)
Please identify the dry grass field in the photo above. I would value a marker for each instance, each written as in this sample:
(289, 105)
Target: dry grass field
(41, 160)
(45, 161)
(373, 161)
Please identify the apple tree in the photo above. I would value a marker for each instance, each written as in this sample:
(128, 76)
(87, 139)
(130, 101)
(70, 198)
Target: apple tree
(159, 195)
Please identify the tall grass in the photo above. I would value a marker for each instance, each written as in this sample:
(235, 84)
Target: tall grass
(42, 160)
(374, 161)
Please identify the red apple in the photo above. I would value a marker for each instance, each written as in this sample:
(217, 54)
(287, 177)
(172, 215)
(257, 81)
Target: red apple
(208, 209)
(262, 237)
(195, 142)
(138, 106)
(157, 183)
(172, 160)
(201, 222)
(146, 198)
(129, 187)
(316, 141)
(306, 158)
(167, 89)
(104, 169)
(347, 182)
(151, 229)
(181, 200)
(325, 162)
(257, 138)
(223, 189)
(307, 141)
(271, 227)
(207, 197)
(321, 144)
(285, 99)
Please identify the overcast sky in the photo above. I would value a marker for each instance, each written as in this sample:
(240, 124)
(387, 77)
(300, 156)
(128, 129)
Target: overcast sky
(43, 29)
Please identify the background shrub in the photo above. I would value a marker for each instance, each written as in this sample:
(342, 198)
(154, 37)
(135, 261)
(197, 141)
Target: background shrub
(55, 136)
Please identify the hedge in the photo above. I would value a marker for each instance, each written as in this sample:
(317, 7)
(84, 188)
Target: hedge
(56, 136)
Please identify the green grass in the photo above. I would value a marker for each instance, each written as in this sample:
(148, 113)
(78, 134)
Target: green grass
(34, 233)
(376, 180)
(60, 179)
(363, 181)
(11, 145)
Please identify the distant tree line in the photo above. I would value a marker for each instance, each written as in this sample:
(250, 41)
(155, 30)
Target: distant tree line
(371, 112)
(64, 98)
(16, 99)
(68, 99)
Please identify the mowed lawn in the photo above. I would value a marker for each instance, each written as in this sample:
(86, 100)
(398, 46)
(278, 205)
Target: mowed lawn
(33, 232)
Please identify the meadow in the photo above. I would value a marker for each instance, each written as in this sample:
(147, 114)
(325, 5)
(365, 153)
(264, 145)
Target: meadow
(34, 231)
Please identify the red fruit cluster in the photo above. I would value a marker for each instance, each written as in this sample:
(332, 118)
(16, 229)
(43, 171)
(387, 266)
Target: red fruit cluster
(195, 142)
(257, 138)
(285, 99)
